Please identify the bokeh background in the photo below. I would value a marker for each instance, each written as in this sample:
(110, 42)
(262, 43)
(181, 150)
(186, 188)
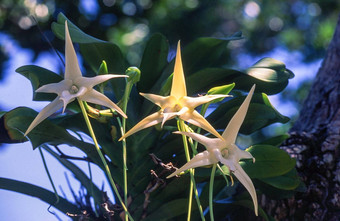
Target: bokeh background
(296, 32)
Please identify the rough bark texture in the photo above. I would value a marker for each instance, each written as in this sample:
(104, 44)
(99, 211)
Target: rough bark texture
(314, 141)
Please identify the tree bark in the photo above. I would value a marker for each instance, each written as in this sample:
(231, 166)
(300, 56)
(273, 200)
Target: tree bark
(314, 142)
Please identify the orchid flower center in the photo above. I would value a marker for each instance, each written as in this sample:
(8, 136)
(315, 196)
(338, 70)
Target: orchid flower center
(224, 152)
(74, 89)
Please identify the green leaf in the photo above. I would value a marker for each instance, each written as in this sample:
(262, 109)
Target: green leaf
(153, 61)
(35, 191)
(224, 89)
(270, 161)
(169, 210)
(260, 114)
(275, 141)
(77, 35)
(288, 181)
(267, 80)
(39, 77)
(249, 204)
(17, 120)
(205, 52)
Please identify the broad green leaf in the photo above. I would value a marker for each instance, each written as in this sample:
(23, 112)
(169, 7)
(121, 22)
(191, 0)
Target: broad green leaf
(260, 114)
(78, 36)
(153, 61)
(288, 181)
(270, 161)
(267, 80)
(35, 191)
(169, 210)
(39, 77)
(275, 141)
(205, 52)
(275, 193)
(249, 204)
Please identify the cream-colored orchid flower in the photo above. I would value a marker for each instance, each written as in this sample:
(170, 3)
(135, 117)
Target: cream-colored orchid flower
(73, 86)
(177, 104)
(225, 151)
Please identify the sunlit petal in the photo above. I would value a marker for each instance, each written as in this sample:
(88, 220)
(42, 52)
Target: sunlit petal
(168, 116)
(193, 117)
(93, 81)
(149, 121)
(248, 184)
(178, 88)
(193, 102)
(52, 107)
(202, 159)
(72, 70)
(209, 143)
(161, 101)
(56, 88)
(95, 97)
(231, 131)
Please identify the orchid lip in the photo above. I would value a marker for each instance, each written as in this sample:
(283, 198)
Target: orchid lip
(74, 89)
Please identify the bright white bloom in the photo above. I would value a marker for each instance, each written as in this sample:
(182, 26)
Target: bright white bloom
(225, 151)
(73, 86)
(177, 104)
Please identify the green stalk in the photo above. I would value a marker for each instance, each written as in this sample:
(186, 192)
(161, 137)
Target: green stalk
(181, 127)
(211, 192)
(122, 126)
(107, 169)
(49, 177)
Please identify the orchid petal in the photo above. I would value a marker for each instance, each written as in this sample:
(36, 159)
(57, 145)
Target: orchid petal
(178, 88)
(231, 131)
(95, 97)
(248, 184)
(209, 143)
(47, 111)
(56, 88)
(72, 70)
(193, 117)
(149, 121)
(91, 82)
(68, 97)
(193, 102)
(168, 116)
(232, 162)
(202, 159)
(161, 101)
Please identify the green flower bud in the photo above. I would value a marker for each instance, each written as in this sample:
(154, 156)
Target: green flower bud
(134, 74)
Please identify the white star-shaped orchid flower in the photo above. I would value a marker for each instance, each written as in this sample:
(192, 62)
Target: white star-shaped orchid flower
(177, 104)
(73, 86)
(224, 151)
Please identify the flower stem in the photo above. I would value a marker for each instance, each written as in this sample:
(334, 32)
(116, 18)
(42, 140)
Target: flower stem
(106, 167)
(193, 188)
(122, 125)
(211, 192)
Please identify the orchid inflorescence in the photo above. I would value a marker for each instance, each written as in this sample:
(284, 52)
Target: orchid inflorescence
(221, 149)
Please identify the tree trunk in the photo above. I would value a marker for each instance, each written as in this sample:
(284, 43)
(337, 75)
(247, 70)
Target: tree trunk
(314, 142)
